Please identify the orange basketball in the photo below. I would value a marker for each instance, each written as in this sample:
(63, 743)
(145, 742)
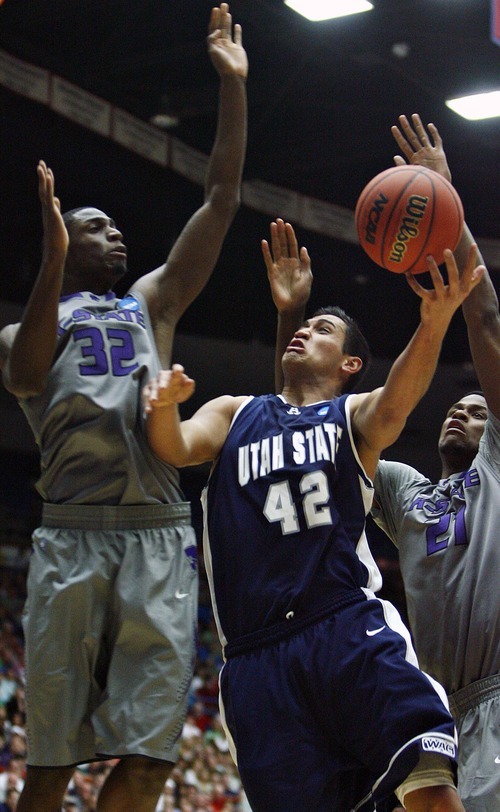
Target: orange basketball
(406, 213)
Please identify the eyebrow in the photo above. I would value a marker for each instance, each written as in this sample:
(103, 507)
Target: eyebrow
(470, 405)
(98, 219)
(307, 323)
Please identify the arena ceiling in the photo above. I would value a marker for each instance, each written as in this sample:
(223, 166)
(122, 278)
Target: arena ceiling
(322, 98)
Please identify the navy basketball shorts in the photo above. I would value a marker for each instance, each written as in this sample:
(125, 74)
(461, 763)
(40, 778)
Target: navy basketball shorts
(335, 716)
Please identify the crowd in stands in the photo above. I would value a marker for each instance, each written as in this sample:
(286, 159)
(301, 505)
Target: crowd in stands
(205, 778)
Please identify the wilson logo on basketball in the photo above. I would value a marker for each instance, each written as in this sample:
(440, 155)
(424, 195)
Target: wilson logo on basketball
(405, 214)
(408, 229)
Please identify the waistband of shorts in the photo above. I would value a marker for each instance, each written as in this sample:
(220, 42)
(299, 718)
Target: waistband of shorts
(475, 693)
(116, 517)
(287, 628)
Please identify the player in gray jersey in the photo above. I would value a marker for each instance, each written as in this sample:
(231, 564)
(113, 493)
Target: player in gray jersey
(447, 533)
(111, 616)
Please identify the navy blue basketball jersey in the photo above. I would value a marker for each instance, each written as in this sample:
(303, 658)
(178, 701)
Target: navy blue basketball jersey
(284, 510)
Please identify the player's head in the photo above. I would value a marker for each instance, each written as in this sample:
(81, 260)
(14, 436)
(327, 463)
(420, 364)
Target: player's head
(328, 349)
(70, 216)
(461, 431)
(96, 253)
(355, 343)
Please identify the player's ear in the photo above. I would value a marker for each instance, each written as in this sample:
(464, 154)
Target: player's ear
(352, 364)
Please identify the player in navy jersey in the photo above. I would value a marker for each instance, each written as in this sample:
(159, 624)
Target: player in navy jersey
(447, 533)
(111, 614)
(324, 705)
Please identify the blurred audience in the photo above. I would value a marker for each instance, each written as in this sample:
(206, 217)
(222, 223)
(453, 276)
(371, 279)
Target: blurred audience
(205, 778)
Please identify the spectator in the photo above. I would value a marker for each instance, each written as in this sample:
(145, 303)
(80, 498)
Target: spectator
(11, 798)
(10, 779)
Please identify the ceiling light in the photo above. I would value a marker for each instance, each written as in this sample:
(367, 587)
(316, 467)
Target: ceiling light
(165, 121)
(480, 105)
(317, 10)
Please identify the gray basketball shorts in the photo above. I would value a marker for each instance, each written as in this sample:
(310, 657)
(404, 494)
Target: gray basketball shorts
(110, 628)
(476, 709)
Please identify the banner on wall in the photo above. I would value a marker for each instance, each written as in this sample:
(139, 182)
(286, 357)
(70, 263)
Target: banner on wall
(99, 116)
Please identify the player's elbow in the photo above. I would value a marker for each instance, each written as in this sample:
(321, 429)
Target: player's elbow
(166, 451)
(390, 424)
(225, 199)
(23, 386)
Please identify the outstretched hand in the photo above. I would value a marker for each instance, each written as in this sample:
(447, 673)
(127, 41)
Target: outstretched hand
(440, 302)
(288, 269)
(172, 386)
(420, 147)
(225, 46)
(55, 234)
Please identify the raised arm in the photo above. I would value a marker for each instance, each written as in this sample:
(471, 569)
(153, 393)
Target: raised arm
(480, 309)
(290, 278)
(187, 442)
(483, 328)
(172, 287)
(380, 416)
(27, 349)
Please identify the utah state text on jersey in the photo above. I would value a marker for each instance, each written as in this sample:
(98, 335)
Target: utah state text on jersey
(258, 459)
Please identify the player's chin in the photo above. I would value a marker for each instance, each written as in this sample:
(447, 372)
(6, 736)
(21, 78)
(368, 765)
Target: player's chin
(291, 357)
(453, 442)
(119, 268)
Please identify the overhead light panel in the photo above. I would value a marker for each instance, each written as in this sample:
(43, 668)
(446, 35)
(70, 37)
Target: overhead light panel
(317, 10)
(478, 106)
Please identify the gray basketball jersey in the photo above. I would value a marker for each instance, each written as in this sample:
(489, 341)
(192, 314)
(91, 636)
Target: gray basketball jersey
(88, 422)
(449, 549)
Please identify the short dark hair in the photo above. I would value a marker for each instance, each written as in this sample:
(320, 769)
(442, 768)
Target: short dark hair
(474, 392)
(69, 216)
(354, 343)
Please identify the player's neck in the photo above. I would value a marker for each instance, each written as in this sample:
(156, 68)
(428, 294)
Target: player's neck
(305, 394)
(454, 465)
(74, 284)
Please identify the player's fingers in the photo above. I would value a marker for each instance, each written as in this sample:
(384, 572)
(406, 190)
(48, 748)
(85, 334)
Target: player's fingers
(293, 248)
(238, 34)
(152, 391)
(452, 270)
(420, 130)
(268, 259)
(225, 21)
(213, 23)
(49, 181)
(164, 378)
(305, 258)
(281, 232)
(437, 279)
(410, 133)
(415, 286)
(401, 141)
(177, 375)
(436, 138)
(146, 397)
(275, 241)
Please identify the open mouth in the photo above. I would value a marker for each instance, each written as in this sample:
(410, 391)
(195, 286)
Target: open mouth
(295, 345)
(455, 425)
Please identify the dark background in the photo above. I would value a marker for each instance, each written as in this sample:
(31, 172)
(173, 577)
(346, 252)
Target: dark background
(322, 98)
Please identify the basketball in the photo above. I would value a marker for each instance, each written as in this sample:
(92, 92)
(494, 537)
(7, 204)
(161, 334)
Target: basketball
(406, 213)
